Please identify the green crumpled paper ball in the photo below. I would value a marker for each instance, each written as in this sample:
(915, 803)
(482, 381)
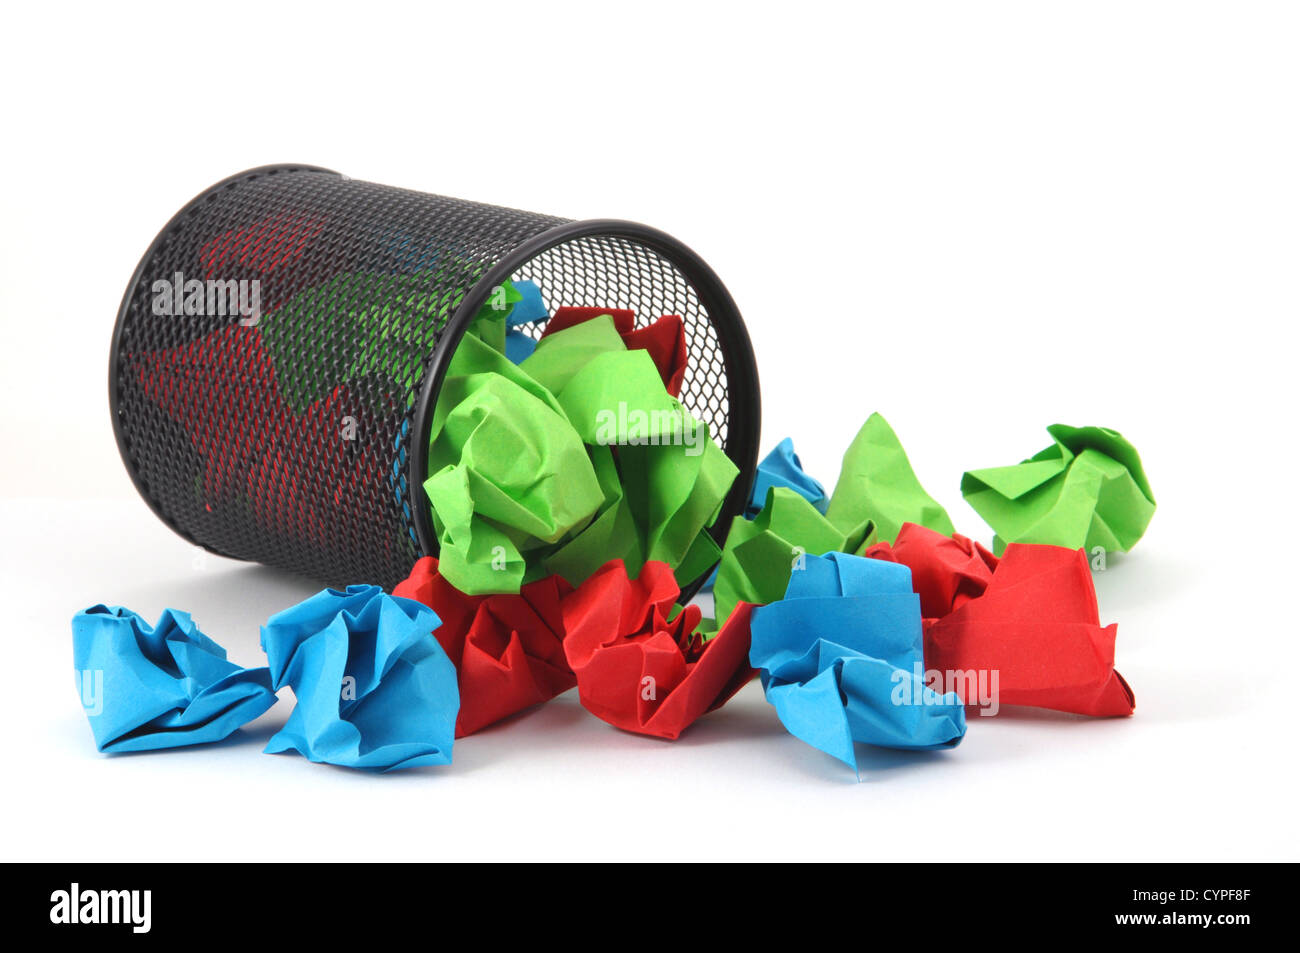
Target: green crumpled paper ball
(878, 483)
(575, 456)
(760, 554)
(1088, 489)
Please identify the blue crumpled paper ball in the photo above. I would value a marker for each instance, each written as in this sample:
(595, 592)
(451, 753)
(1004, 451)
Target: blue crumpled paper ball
(782, 467)
(529, 309)
(375, 689)
(165, 686)
(841, 659)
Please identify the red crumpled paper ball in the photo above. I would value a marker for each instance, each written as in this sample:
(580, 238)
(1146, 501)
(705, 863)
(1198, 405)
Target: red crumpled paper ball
(507, 648)
(1031, 617)
(947, 571)
(637, 669)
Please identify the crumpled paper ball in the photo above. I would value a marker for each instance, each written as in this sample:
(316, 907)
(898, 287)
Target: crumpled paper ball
(1034, 629)
(508, 474)
(508, 649)
(1029, 622)
(947, 571)
(1088, 489)
(577, 455)
(877, 483)
(664, 338)
(841, 660)
(782, 467)
(165, 686)
(375, 689)
(760, 555)
(639, 663)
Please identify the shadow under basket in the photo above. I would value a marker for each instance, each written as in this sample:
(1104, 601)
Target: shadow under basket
(307, 449)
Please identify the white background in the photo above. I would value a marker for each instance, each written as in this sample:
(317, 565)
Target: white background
(978, 219)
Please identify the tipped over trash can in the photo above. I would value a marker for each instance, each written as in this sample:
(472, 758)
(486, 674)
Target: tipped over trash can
(279, 361)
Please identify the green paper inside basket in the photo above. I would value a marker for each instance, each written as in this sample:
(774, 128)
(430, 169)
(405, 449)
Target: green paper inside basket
(574, 457)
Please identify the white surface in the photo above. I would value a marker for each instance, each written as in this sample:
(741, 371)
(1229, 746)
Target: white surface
(977, 219)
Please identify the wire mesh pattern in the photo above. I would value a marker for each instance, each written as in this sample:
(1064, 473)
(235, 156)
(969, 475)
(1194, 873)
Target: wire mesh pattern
(269, 355)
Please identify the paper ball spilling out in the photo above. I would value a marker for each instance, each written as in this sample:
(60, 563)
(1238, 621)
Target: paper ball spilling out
(633, 653)
(947, 571)
(165, 686)
(877, 483)
(1030, 617)
(640, 664)
(508, 649)
(1087, 489)
(374, 688)
(841, 660)
(783, 468)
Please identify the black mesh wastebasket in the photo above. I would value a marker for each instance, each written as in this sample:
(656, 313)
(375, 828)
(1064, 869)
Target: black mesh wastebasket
(278, 353)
